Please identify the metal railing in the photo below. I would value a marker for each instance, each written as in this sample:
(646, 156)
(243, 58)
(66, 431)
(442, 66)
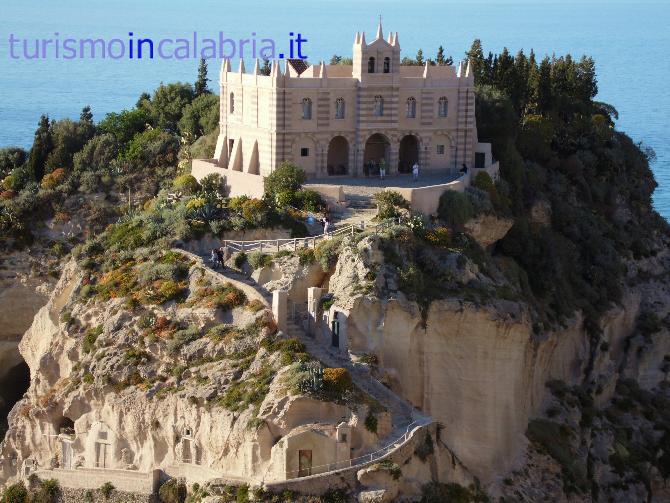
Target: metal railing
(294, 244)
(321, 470)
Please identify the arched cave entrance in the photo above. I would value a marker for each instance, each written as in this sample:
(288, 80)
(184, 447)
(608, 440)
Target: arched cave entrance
(408, 154)
(338, 156)
(13, 386)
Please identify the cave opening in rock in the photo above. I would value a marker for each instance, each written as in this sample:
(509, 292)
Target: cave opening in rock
(13, 386)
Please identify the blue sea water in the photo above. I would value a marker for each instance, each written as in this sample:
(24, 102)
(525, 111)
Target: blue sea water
(629, 41)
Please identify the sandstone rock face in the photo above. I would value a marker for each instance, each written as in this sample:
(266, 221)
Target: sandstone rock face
(106, 390)
(488, 229)
(22, 293)
(479, 371)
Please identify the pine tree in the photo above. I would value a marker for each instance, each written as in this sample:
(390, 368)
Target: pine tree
(42, 147)
(440, 60)
(519, 92)
(476, 58)
(544, 85)
(419, 58)
(201, 83)
(266, 69)
(336, 60)
(531, 86)
(86, 115)
(144, 98)
(86, 122)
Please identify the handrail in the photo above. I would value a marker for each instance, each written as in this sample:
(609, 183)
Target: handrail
(364, 459)
(310, 241)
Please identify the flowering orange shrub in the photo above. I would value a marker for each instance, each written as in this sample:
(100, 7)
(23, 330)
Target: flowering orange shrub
(53, 179)
(440, 237)
(337, 380)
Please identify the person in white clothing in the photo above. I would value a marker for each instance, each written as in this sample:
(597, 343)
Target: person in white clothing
(415, 171)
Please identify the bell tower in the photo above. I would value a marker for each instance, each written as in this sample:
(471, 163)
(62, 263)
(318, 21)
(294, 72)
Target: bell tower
(379, 57)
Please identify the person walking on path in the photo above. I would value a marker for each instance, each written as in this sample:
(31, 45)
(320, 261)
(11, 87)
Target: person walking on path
(326, 225)
(214, 259)
(382, 169)
(219, 257)
(415, 171)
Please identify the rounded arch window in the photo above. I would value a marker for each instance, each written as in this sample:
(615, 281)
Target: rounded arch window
(411, 107)
(371, 65)
(379, 106)
(443, 107)
(387, 65)
(306, 108)
(339, 108)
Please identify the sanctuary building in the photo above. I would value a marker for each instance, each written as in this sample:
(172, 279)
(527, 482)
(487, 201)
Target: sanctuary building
(335, 120)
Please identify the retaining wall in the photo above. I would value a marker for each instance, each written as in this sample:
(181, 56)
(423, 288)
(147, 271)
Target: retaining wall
(238, 182)
(93, 478)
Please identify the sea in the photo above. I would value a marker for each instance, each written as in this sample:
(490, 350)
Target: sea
(629, 40)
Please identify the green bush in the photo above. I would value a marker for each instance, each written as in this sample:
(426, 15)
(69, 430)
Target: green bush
(257, 260)
(106, 490)
(483, 181)
(47, 492)
(308, 200)
(389, 203)
(283, 183)
(371, 423)
(455, 208)
(240, 260)
(327, 252)
(182, 337)
(16, 493)
(306, 256)
(173, 491)
(186, 183)
(90, 338)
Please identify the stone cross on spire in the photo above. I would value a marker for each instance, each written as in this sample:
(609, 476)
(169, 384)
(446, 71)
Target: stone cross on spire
(380, 33)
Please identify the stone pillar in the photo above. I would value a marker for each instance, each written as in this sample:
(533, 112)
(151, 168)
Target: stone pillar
(313, 300)
(280, 309)
(394, 156)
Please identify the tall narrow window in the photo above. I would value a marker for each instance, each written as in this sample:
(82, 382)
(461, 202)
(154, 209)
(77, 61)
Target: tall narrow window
(306, 109)
(379, 106)
(371, 65)
(387, 65)
(443, 107)
(339, 108)
(232, 103)
(411, 108)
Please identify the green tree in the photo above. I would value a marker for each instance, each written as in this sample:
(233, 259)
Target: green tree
(167, 104)
(11, 158)
(544, 87)
(200, 117)
(143, 97)
(97, 154)
(266, 69)
(284, 182)
(201, 84)
(419, 58)
(476, 58)
(69, 137)
(125, 125)
(440, 60)
(42, 147)
(336, 60)
(16, 493)
(455, 208)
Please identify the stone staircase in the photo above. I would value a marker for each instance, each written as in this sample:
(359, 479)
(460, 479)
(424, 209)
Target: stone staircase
(401, 411)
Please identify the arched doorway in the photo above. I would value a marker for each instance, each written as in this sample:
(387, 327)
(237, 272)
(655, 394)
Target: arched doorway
(338, 156)
(408, 154)
(376, 148)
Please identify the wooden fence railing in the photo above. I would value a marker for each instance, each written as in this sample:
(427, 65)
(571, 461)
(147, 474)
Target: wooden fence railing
(293, 244)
